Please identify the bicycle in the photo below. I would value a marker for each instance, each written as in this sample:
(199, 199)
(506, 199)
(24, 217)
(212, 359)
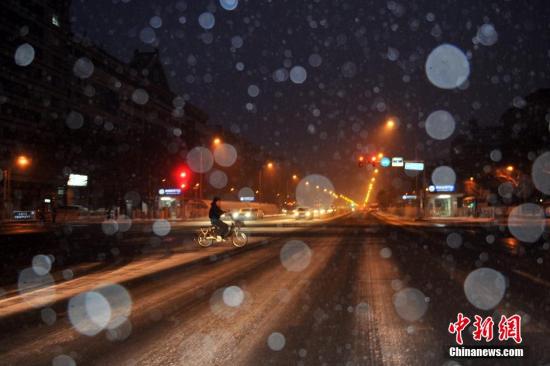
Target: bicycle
(207, 236)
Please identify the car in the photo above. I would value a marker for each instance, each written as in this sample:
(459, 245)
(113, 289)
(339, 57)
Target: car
(248, 214)
(303, 213)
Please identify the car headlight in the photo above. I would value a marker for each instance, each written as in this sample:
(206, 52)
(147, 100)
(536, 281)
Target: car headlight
(322, 211)
(308, 213)
(248, 214)
(295, 213)
(235, 215)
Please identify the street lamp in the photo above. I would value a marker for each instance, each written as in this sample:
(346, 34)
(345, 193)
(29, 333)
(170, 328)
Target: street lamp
(22, 161)
(510, 168)
(390, 124)
(269, 166)
(217, 141)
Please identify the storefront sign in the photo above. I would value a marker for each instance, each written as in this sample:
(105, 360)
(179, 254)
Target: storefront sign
(409, 196)
(441, 188)
(246, 199)
(169, 191)
(77, 180)
(414, 165)
(23, 215)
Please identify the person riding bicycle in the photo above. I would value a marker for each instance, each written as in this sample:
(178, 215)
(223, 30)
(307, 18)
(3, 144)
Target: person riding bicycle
(214, 214)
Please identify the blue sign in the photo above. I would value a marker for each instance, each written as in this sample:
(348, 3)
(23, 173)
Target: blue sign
(246, 199)
(169, 191)
(414, 165)
(385, 162)
(23, 215)
(445, 188)
(442, 188)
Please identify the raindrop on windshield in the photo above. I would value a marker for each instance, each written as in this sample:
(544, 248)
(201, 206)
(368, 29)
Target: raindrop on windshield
(295, 256)
(24, 55)
(225, 155)
(161, 227)
(276, 341)
(526, 222)
(440, 125)
(485, 288)
(83, 68)
(200, 159)
(410, 304)
(298, 75)
(207, 20)
(447, 67)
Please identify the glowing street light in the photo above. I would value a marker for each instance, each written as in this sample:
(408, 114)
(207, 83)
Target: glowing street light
(217, 141)
(390, 124)
(380, 155)
(22, 161)
(270, 165)
(376, 171)
(510, 168)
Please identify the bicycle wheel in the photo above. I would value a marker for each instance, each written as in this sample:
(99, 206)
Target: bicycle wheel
(204, 239)
(239, 239)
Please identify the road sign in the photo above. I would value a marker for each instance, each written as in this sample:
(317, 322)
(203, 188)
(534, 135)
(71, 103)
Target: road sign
(385, 162)
(397, 162)
(414, 165)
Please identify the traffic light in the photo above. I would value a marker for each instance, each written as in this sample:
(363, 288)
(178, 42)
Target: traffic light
(182, 176)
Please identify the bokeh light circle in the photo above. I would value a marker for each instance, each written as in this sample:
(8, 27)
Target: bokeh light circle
(200, 159)
(225, 155)
(484, 288)
(526, 222)
(443, 175)
(295, 256)
(540, 173)
(447, 67)
(410, 304)
(217, 179)
(24, 55)
(440, 125)
(276, 341)
(308, 195)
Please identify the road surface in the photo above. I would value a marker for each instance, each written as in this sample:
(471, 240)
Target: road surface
(348, 291)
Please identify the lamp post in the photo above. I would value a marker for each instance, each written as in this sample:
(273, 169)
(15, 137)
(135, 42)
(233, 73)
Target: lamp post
(269, 166)
(22, 162)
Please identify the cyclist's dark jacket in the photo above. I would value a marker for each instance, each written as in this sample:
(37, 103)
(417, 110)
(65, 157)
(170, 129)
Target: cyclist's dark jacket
(215, 212)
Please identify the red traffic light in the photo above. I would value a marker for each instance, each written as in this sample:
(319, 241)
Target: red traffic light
(361, 161)
(182, 176)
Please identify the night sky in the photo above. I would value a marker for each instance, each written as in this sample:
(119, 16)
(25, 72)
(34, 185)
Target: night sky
(372, 57)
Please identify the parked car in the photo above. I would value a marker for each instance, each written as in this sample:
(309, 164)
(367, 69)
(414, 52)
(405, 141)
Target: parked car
(303, 213)
(248, 214)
